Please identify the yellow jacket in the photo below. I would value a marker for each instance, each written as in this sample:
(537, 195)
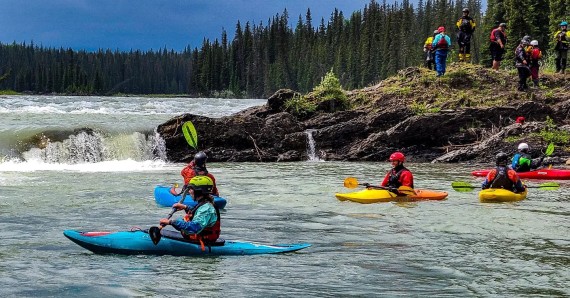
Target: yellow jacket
(427, 44)
(556, 38)
(470, 21)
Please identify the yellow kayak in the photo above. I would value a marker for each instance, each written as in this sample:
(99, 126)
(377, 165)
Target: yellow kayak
(368, 196)
(492, 195)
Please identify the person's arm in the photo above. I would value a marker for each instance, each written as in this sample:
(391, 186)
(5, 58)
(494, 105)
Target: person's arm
(385, 181)
(536, 163)
(448, 41)
(498, 38)
(205, 216)
(487, 183)
(435, 41)
(188, 173)
(519, 187)
(407, 179)
(215, 188)
(473, 25)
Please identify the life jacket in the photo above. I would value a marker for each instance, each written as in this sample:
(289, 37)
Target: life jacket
(561, 41)
(442, 43)
(394, 179)
(428, 43)
(501, 179)
(536, 54)
(493, 38)
(466, 25)
(207, 235)
(518, 166)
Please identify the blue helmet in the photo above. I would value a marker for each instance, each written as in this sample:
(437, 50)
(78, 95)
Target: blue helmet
(564, 23)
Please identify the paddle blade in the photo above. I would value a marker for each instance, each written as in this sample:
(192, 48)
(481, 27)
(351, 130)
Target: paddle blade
(155, 235)
(406, 190)
(549, 149)
(190, 134)
(549, 186)
(462, 186)
(350, 182)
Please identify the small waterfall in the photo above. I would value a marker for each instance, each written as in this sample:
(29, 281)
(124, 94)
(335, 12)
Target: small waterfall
(311, 150)
(93, 147)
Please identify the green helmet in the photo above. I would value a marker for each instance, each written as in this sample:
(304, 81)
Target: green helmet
(201, 183)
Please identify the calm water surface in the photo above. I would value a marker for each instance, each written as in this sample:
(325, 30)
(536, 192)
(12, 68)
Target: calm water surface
(457, 247)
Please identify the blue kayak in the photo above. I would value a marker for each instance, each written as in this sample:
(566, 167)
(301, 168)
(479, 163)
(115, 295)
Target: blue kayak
(164, 197)
(171, 243)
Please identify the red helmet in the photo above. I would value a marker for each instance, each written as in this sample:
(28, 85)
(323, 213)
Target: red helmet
(399, 156)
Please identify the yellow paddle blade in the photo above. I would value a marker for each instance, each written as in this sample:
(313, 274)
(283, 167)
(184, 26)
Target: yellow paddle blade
(406, 190)
(350, 182)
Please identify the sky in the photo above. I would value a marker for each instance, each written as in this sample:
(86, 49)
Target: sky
(146, 24)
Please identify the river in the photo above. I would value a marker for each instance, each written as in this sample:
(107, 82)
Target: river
(456, 247)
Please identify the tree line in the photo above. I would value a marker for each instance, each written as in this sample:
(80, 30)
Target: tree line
(362, 49)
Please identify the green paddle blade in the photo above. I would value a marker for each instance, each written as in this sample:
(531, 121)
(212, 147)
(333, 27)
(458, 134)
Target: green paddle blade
(549, 149)
(190, 134)
(549, 186)
(462, 186)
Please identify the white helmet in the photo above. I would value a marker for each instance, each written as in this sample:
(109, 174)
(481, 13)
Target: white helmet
(534, 43)
(523, 146)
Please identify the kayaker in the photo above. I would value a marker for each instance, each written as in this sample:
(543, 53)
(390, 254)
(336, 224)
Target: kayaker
(503, 176)
(522, 161)
(198, 167)
(398, 175)
(201, 223)
(535, 56)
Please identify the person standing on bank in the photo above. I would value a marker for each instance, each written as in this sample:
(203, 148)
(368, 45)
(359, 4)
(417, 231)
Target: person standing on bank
(562, 39)
(441, 45)
(497, 46)
(522, 64)
(428, 50)
(466, 26)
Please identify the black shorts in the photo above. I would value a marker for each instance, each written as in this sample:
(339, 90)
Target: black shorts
(496, 51)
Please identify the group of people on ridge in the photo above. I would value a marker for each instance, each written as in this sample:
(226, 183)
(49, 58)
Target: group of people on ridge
(527, 54)
(436, 47)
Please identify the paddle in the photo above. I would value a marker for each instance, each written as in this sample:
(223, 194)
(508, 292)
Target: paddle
(154, 232)
(351, 182)
(462, 186)
(548, 152)
(190, 134)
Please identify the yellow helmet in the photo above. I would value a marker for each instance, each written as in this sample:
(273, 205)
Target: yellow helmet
(201, 183)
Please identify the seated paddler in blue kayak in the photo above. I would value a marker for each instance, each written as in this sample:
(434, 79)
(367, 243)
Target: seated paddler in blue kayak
(399, 175)
(197, 167)
(503, 176)
(202, 222)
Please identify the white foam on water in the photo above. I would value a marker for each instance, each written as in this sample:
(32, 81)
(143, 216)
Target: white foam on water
(128, 165)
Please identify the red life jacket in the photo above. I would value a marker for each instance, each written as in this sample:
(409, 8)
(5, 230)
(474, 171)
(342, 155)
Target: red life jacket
(493, 38)
(208, 234)
(442, 43)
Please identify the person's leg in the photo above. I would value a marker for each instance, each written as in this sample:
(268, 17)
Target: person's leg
(467, 56)
(443, 61)
(520, 71)
(534, 75)
(558, 60)
(438, 62)
(563, 59)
